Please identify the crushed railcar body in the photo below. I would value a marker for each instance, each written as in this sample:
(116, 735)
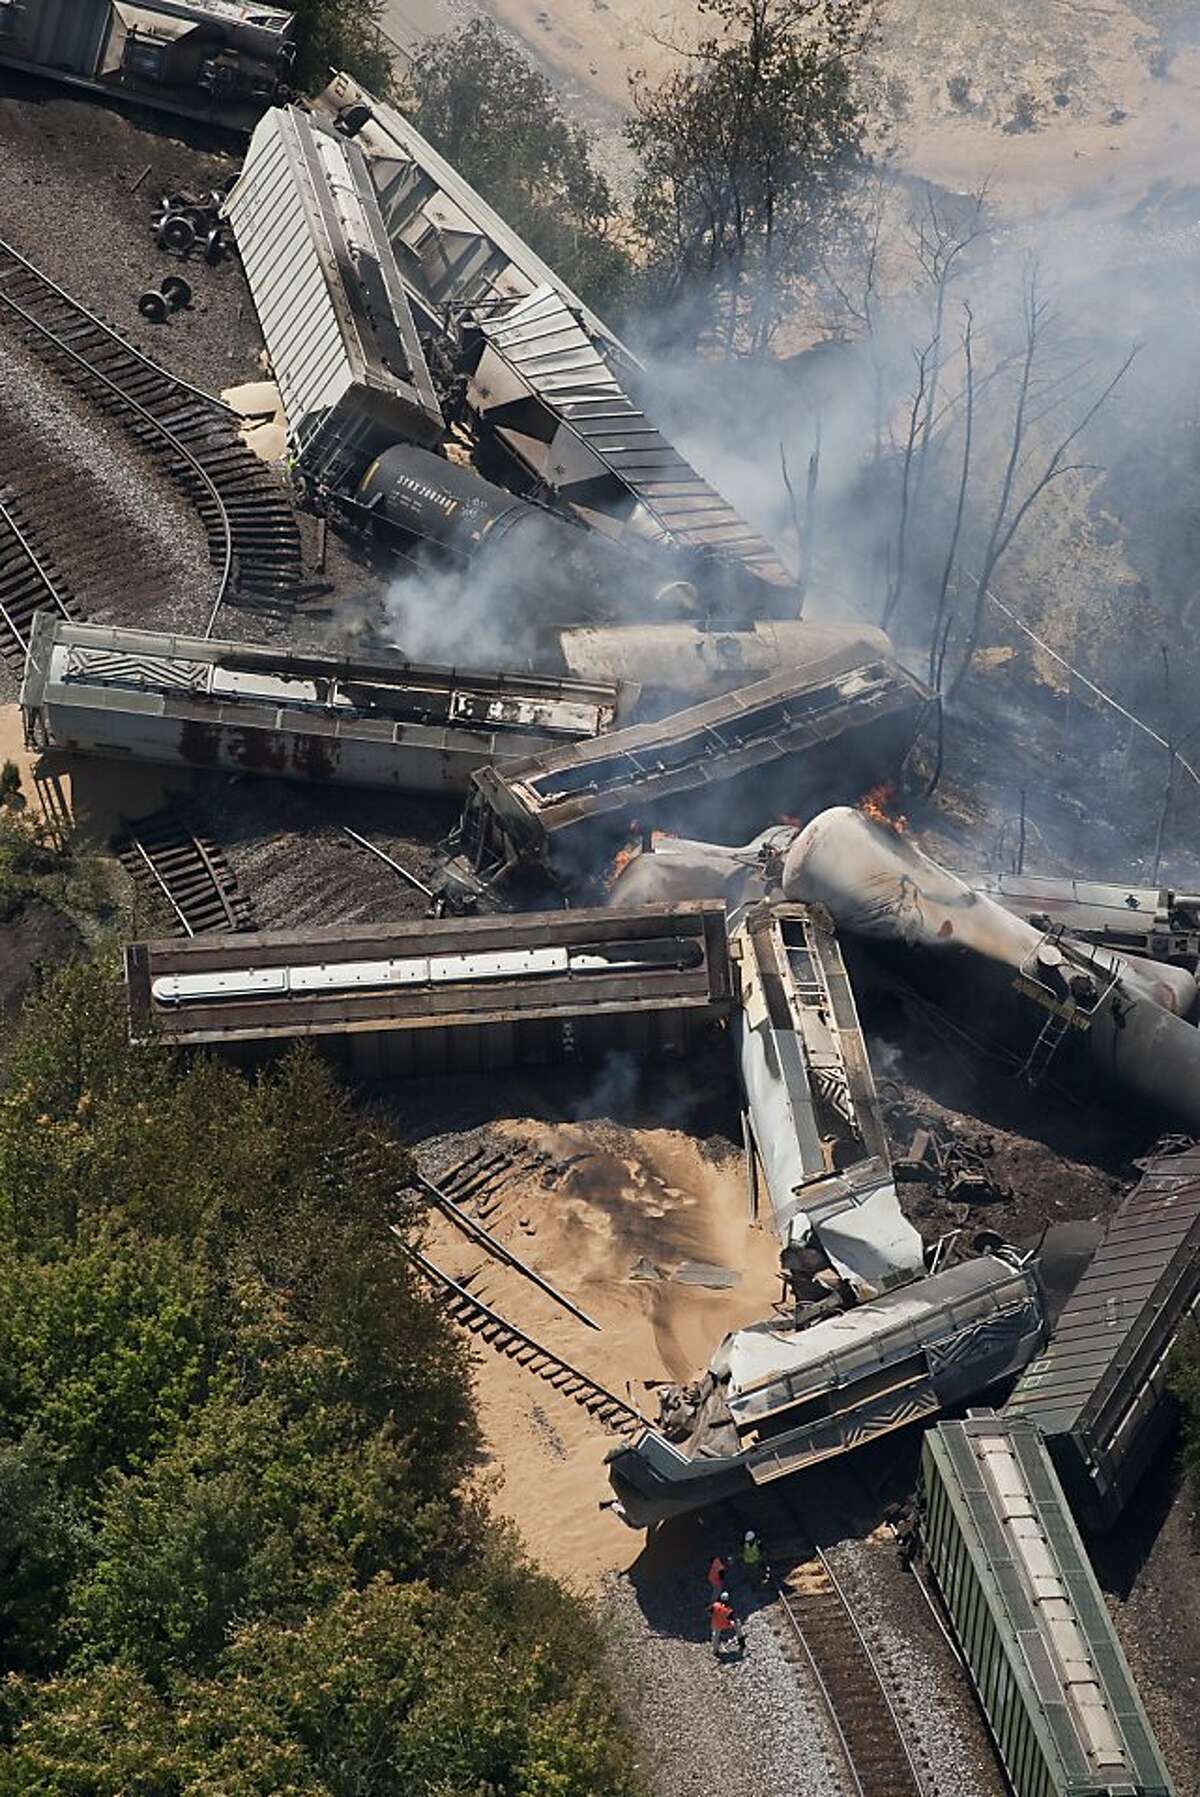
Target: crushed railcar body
(843, 722)
(336, 320)
(447, 995)
(1099, 1392)
(777, 1399)
(222, 61)
(1030, 1619)
(204, 703)
(813, 1115)
(549, 381)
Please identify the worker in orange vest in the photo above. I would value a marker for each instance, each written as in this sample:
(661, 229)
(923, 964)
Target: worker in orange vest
(725, 1628)
(717, 1570)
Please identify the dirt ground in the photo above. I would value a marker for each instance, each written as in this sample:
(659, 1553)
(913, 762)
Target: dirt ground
(610, 1215)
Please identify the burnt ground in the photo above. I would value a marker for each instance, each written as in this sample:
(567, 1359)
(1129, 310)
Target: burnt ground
(77, 199)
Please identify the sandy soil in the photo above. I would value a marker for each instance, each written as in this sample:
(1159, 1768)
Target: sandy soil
(599, 1201)
(90, 797)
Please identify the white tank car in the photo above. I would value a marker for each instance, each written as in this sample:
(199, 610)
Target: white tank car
(1127, 1014)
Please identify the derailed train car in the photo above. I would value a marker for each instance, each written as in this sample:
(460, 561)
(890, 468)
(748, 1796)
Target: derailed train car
(813, 1117)
(777, 1399)
(252, 708)
(1062, 1008)
(218, 60)
(448, 995)
(1099, 1391)
(1030, 1619)
(843, 721)
(1136, 920)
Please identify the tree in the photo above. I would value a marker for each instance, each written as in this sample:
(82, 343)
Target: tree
(746, 152)
(499, 121)
(341, 34)
(1038, 395)
(237, 1551)
(44, 1538)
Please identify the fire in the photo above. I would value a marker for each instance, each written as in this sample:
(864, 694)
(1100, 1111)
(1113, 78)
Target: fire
(878, 804)
(629, 851)
(620, 862)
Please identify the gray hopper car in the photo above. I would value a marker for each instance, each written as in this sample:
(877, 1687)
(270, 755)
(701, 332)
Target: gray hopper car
(1023, 1601)
(1099, 1392)
(844, 721)
(247, 708)
(446, 995)
(777, 1399)
(218, 60)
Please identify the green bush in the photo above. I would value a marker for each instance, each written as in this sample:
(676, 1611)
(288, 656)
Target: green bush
(500, 122)
(236, 1554)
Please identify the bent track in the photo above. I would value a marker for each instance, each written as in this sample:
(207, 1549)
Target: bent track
(253, 536)
(189, 872)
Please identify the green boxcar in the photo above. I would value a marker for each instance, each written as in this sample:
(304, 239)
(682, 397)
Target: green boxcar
(1007, 1558)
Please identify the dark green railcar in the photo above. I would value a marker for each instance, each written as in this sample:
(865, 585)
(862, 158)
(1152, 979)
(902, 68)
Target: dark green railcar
(1007, 1558)
(1099, 1392)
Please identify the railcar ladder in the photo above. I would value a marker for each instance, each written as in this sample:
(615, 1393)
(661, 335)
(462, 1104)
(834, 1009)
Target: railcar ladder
(1056, 1026)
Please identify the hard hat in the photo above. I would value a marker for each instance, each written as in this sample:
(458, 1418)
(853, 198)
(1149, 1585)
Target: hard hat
(749, 1534)
(724, 1597)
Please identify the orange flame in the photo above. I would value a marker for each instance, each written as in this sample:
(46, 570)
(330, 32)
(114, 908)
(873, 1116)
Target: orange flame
(879, 805)
(629, 851)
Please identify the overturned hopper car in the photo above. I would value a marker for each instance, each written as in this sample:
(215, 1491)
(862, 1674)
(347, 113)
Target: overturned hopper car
(445, 995)
(813, 1118)
(1099, 1392)
(839, 723)
(249, 708)
(777, 1399)
(218, 60)
(343, 346)
(1030, 1619)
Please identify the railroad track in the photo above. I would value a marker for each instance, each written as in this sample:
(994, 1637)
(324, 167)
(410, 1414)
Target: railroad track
(819, 1632)
(28, 583)
(253, 537)
(188, 871)
(472, 1314)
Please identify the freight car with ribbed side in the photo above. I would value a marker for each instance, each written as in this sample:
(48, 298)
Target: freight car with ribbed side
(1029, 1617)
(217, 60)
(1099, 1391)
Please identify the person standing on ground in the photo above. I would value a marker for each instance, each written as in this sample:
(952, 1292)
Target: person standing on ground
(717, 1570)
(754, 1564)
(725, 1629)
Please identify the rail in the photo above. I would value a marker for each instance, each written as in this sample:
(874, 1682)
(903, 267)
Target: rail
(818, 1615)
(471, 1313)
(498, 1249)
(162, 853)
(26, 586)
(252, 532)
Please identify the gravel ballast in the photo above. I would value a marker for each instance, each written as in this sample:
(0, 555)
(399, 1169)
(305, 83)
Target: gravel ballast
(744, 1728)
